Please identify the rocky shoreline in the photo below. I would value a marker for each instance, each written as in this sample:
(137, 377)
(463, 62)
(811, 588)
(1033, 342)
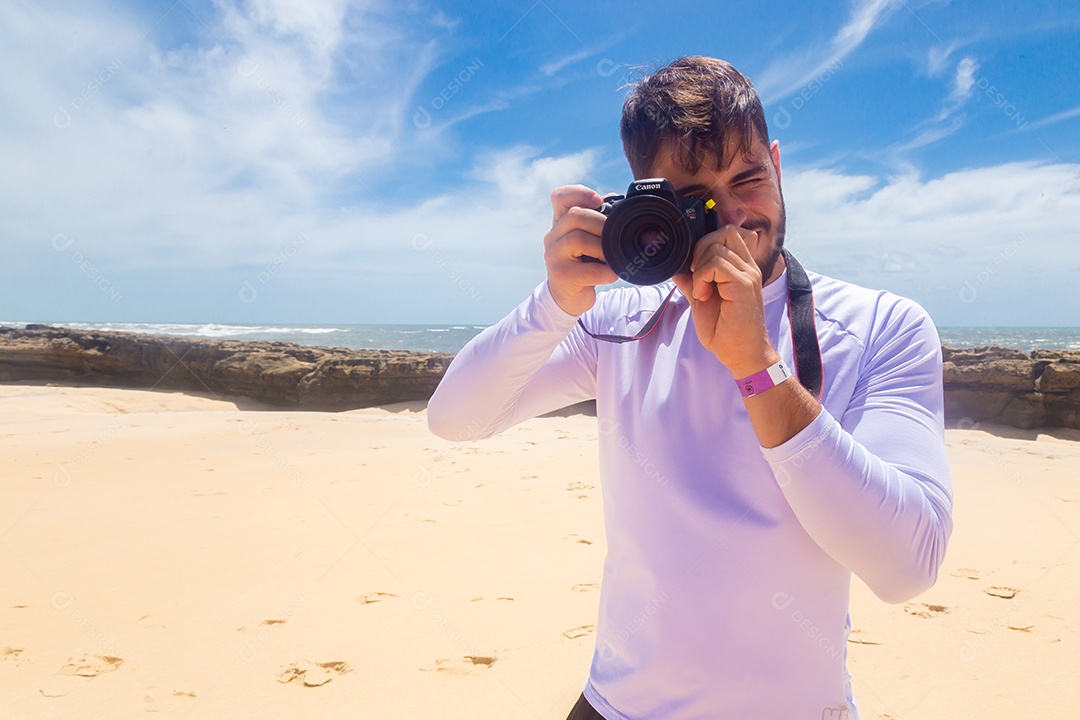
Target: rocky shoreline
(982, 385)
(275, 373)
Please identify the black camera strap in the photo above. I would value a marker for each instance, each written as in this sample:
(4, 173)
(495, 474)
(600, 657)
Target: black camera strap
(804, 338)
(800, 315)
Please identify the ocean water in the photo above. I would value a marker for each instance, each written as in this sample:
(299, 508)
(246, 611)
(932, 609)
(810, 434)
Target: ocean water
(451, 338)
(1022, 338)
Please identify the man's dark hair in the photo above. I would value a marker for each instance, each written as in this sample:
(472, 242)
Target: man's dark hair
(691, 105)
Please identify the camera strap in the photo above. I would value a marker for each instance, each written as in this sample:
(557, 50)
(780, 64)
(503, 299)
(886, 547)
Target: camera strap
(804, 338)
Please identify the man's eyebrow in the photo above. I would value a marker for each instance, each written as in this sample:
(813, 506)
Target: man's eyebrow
(750, 172)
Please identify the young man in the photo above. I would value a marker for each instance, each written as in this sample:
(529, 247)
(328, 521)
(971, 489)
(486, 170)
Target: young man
(737, 501)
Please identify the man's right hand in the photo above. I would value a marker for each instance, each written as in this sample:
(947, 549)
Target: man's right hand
(575, 235)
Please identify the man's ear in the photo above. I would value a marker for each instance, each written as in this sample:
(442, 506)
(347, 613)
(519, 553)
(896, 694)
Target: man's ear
(774, 153)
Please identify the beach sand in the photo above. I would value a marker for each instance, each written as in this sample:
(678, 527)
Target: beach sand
(170, 554)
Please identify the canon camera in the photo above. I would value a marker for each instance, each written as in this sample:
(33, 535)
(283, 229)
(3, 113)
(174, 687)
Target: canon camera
(650, 232)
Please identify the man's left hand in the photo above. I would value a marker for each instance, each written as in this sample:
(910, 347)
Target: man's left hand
(724, 290)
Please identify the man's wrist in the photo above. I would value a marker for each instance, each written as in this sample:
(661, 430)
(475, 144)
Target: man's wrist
(764, 380)
(752, 367)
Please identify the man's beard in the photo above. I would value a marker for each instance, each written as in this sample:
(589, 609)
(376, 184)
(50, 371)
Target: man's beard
(777, 245)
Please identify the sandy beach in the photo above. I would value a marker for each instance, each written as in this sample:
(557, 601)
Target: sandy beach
(177, 555)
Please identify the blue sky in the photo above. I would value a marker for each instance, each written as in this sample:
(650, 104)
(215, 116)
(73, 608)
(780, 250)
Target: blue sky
(335, 162)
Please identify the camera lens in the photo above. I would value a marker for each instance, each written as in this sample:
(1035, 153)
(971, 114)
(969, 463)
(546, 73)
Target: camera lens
(646, 240)
(650, 240)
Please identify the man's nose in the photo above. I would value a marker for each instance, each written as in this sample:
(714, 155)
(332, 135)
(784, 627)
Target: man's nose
(729, 209)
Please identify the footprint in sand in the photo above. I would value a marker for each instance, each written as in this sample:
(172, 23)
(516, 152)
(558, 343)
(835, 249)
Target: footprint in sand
(374, 597)
(1021, 628)
(581, 631)
(925, 611)
(858, 637)
(579, 486)
(10, 654)
(87, 666)
(462, 666)
(1006, 593)
(585, 587)
(91, 665)
(157, 699)
(969, 573)
(309, 674)
(479, 598)
(150, 622)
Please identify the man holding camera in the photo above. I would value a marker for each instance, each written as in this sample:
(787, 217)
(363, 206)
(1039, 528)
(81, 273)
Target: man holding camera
(764, 431)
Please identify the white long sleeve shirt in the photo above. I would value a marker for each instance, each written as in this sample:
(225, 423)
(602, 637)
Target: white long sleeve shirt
(726, 579)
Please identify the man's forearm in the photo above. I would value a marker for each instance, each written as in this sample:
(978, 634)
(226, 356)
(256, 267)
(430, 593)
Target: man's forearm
(507, 374)
(779, 413)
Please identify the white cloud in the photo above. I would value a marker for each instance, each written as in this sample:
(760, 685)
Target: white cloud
(521, 174)
(949, 118)
(550, 68)
(938, 59)
(1053, 119)
(181, 173)
(1006, 231)
(203, 147)
(792, 72)
(963, 81)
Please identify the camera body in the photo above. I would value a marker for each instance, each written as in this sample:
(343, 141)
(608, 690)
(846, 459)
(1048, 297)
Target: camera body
(650, 232)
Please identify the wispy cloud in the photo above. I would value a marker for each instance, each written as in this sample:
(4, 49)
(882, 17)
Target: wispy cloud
(204, 153)
(550, 68)
(963, 82)
(787, 74)
(949, 118)
(554, 66)
(1053, 119)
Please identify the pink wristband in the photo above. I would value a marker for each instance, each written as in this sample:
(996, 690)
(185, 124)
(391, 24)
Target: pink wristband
(762, 381)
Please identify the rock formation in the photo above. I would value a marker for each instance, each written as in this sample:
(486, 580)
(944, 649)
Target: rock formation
(1010, 387)
(276, 373)
(982, 385)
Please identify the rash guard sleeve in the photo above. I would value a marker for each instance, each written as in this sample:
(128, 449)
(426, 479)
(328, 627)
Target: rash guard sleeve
(531, 362)
(872, 488)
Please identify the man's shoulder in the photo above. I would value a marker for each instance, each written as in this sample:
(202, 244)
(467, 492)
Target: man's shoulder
(866, 313)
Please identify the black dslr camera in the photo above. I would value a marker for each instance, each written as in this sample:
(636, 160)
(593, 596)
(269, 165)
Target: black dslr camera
(649, 234)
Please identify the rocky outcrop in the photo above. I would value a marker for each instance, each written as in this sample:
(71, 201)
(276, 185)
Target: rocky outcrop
(276, 373)
(1010, 387)
(990, 384)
